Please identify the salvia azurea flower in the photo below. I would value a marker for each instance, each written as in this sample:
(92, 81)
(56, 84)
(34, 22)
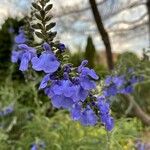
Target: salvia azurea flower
(67, 91)
(38, 146)
(24, 54)
(119, 85)
(20, 38)
(6, 111)
(62, 47)
(104, 109)
(72, 88)
(85, 115)
(47, 61)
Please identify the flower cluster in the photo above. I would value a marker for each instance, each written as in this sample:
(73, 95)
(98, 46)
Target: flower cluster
(26, 55)
(119, 84)
(69, 87)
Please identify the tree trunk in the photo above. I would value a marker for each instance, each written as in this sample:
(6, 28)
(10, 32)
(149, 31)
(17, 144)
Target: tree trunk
(145, 118)
(103, 33)
(148, 11)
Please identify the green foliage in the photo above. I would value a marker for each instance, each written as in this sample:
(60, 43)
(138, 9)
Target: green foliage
(90, 52)
(142, 90)
(43, 27)
(60, 133)
(6, 43)
(29, 123)
(76, 58)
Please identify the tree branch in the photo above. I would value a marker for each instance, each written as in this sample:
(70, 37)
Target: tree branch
(127, 22)
(145, 118)
(103, 33)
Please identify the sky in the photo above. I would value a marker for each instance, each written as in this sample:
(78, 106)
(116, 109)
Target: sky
(19, 8)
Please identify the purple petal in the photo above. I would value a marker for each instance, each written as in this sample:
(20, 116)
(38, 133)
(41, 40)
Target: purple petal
(25, 61)
(59, 101)
(19, 39)
(81, 94)
(88, 117)
(47, 47)
(76, 112)
(44, 81)
(46, 62)
(15, 56)
(87, 84)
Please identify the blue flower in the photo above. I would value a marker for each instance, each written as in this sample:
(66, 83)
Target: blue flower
(127, 90)
(85, 71)
(86, 76)
(80, 94)
(104, 109)
(44, 81)
(103, 105)
(38, 146)
(15, 56)
(108, 80)
(108, 121)
(134, 80)
(61, 93)
(86, 83)
(62, 47)
(88, 117)
(26, 54)
(20, 38)
(60, 101)
(110, 91)
(6, 111)
(64, 87)
(76, 111)
(47, 61)
(118, 80)
(34, 147)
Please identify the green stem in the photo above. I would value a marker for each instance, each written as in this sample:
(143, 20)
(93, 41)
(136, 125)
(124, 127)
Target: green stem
(108, 140)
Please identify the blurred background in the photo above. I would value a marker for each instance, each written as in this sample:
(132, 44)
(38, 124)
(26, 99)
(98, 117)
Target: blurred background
(108, 33)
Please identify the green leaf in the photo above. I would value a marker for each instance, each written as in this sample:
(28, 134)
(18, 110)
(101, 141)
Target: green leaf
(48, 18)
(37, 26)
(42, 2)
(39, 35)
(36, 6)
(42, 12)
(52, 35)
(48, 7)
(46, 1)
(50, 26)
(38, 16)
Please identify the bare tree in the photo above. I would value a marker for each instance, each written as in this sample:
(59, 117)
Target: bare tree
(148, 10)
(103, 33)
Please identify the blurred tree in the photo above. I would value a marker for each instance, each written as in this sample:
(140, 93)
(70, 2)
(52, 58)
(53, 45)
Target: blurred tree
(90, 52)
(137, 103)
(148, 11)
(9, 28)
(103, 33)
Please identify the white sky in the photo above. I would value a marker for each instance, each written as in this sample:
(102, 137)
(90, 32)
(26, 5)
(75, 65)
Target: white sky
(17, 8)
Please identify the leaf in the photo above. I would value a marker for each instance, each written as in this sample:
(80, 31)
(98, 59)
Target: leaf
(48, 18)
(39, 35)
(37, 26)
(48, 7)
(42, 12)
(36, 6)
(52, 35)
(51, 25)
(38, 16)
(46, 1)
